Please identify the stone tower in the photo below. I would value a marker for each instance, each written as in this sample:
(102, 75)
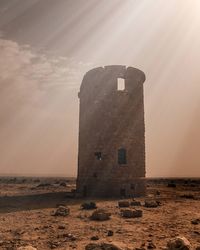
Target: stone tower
(111, 156)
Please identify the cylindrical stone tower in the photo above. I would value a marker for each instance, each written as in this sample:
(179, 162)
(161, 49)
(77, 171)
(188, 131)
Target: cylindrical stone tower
(111, 156)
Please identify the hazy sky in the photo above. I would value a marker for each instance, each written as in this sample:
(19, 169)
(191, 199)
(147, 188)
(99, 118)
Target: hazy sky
(46, 46)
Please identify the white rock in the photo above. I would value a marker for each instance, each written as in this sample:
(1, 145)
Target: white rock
(27, 248)
(179, 243)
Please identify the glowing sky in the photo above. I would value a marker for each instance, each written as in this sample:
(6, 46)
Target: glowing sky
(46, 46)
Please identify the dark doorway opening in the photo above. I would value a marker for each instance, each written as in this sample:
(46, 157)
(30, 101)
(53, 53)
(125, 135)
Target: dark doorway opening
(123, 192)
(85, 191)
(132, 186)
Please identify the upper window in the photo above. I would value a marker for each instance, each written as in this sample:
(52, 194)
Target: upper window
(120, 84)
(122, 156)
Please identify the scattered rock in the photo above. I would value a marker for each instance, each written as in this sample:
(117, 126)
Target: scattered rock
(123, 203)
(95, 237)
(100, 215)
(61, 211)
(171, 184)
(60, 204)
(46, 226)
(27, 248)
(44, 185)
(187, 196)
(82, 216)
(119, 231)
(195, 221)
(135, 203)
(179, 243)
(102, 246)
(110, 233)
(151, 245)
(18, 232)
(63, 184)
(89, 205)
(129, 213)
(157, 192)
(61, 227)
(151, 203)
(71, 237)
(54, 244)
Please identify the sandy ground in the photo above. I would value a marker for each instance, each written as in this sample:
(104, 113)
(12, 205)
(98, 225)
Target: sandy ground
(25, 217)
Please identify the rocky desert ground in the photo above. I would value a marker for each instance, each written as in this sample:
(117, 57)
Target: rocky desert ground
(42, 213)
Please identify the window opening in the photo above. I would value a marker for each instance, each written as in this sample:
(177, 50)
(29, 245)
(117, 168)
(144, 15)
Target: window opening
(120, 84)
(123, 192)
(98, 155)
(122, 156)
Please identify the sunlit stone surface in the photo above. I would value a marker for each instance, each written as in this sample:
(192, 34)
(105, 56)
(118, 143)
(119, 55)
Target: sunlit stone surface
(111, 159)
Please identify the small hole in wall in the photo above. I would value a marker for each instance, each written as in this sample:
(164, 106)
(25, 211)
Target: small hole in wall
(132, 186)
(120, 84)
(98, 155)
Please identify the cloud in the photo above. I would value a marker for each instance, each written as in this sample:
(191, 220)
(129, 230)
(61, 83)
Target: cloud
(22, 66)
(38, 110)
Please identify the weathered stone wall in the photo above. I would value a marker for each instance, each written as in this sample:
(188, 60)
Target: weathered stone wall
(110, 120)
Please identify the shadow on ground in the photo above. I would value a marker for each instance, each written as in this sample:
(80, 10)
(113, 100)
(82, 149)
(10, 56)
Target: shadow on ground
(30, 202)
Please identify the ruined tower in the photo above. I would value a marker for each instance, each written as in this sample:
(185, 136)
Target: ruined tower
(111, 156)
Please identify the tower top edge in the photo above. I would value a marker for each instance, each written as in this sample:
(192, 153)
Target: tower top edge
(121, 71)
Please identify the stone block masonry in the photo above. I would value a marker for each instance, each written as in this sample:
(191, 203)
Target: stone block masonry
(111, 154)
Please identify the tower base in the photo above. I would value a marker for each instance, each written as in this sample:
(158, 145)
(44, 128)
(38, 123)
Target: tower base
(112, 188)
